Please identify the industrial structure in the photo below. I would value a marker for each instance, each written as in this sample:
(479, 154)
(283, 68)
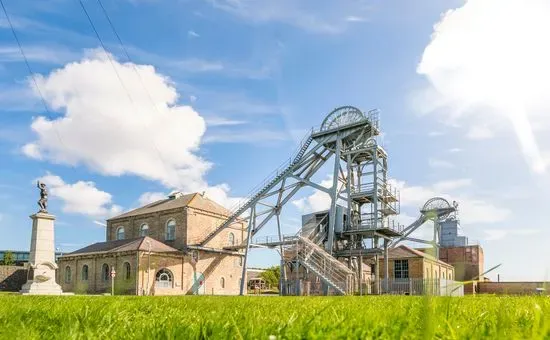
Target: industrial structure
(358, 229)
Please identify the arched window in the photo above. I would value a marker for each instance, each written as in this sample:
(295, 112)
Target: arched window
(127, 271)
(144, 230)
(84, 274)
(105, 273)
(164, 278)
(222, 282)
(231, 239)
(240, 261)
(170, 230)
(67, 274)
(120, 233)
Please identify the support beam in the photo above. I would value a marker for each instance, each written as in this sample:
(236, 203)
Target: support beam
(334, 198)
(251, 224)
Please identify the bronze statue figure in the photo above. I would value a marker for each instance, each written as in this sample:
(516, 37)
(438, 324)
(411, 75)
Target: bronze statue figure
(43, 201)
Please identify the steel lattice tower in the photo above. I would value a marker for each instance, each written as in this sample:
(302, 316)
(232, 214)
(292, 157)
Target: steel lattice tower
(334, 251)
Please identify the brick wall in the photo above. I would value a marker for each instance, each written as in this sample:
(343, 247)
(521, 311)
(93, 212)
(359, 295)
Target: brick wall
(467, 261)
(157, 226)
(12, 278)
(421, 268)
(515, 288)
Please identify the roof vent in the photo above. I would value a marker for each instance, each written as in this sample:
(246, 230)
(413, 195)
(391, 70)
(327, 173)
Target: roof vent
(174, 195)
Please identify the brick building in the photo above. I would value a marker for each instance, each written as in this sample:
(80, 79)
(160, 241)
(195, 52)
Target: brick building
(154, 250)
(467, 261)
(409, 263)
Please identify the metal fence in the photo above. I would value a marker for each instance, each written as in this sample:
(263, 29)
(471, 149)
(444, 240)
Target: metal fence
(435, 287)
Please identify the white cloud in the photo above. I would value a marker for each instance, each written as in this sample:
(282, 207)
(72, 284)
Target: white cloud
(438, 163)
(38, 54)
(497, 234)
(479, 132)
(192, 98)
(435, 133)
(101, 224)
(311, 16)
(455, 150)
(488, 61)
(472, 210)
(192, 34)
(353, 18)
(150, 197)
(317, 201)
(81, 197)
(198, 65)
(221, 121)
(104, 130)
(450, 185)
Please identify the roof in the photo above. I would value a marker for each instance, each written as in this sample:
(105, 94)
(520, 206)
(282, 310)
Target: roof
(402, 251)
(135, 244)
(194, 200)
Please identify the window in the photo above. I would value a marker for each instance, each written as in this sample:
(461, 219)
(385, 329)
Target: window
(67, 274)
(105, 273)
(231, 239)
(120, 233)
(401, 269)
(127, 271)
(163, 279)
(222, 282)
(84, 274)
(170, 230)
(240, 261)
(144, 230)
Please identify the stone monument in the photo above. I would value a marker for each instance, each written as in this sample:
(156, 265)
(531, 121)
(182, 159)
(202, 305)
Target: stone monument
(42, 266)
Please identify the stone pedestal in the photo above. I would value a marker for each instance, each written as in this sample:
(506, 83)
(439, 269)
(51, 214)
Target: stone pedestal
(42, 266)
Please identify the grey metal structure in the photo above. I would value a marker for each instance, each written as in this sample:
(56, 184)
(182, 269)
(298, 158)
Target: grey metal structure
(361, 200)
(441, 213)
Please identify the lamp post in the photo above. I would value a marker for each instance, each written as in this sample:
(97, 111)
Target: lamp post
(113, 275)
(148, 264)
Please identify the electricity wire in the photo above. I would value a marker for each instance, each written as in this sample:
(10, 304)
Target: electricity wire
(120, 78)
(31, 73)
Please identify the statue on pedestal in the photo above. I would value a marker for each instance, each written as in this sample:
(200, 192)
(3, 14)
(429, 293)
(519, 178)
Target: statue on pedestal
(43, 201)
(41, 279)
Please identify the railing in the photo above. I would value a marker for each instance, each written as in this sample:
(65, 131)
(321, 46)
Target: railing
(321, 263)
(377, 223)
(273, 177)
(437, 287)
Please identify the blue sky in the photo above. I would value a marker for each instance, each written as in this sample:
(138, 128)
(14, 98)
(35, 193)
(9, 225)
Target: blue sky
(218, 93)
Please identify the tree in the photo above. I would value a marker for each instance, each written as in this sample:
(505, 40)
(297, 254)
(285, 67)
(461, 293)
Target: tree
(8, 259)
(271, 276)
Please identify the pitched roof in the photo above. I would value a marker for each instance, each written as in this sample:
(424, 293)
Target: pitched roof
(140, 243)
(194, 200)
(402, 251)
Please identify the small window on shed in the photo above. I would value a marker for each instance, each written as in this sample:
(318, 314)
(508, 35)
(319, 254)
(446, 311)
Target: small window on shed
(222, 282)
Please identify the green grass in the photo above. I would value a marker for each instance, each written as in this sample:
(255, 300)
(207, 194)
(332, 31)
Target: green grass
(205, 317)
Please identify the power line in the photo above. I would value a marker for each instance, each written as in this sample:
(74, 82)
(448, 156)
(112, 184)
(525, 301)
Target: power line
(119, 77)
(30, 71)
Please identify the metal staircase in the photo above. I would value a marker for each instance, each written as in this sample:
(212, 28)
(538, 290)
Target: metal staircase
(265, 186)
(331, 271)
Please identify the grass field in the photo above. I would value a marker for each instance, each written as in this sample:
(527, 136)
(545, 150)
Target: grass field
(205, 317)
